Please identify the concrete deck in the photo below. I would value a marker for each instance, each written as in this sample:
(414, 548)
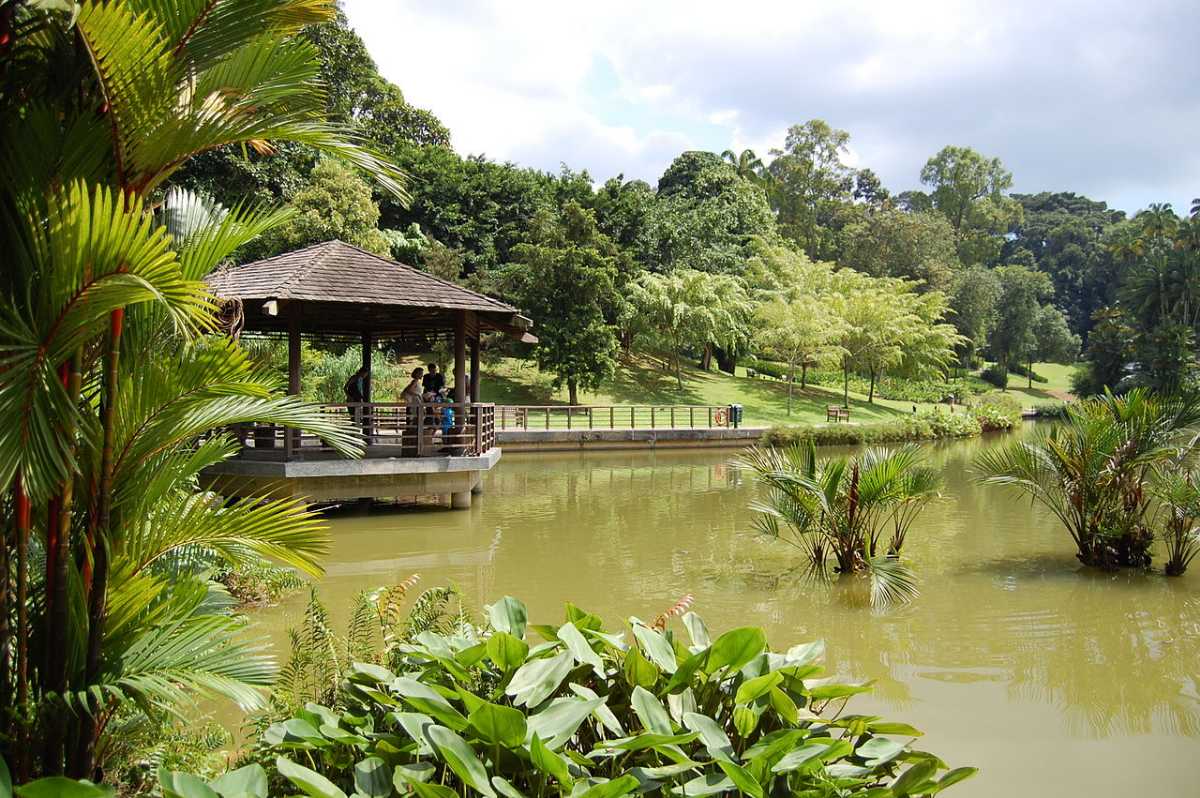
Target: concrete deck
(323, 481)
(610, 439)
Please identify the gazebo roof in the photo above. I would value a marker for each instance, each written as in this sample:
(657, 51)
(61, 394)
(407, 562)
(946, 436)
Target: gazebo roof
(337, 288)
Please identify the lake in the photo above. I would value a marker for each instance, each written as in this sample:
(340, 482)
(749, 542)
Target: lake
(1052, 679)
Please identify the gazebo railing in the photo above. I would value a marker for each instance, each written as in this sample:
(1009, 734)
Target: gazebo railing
(584, 417)
(390, 429)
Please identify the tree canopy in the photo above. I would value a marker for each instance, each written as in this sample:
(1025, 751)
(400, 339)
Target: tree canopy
(566, 279)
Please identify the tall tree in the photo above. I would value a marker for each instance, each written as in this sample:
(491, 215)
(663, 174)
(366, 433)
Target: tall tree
(1022, 292)
(870, 332)
(869, 189)
(336, 203)
(1053, 340)
(747, 165)
(1108, 352)
(809, 182)
(974, 299)
(689, 309)
(968, 189)
(892, 243)
(566, 280)
(703, 218)
(800, 332)
(1066, 234)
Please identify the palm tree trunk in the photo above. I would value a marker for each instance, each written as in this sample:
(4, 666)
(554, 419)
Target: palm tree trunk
(21, 509)
(58, 560)
(871, 392)
(83, 760)
(572, 392)
(803, 376)
(6, 592)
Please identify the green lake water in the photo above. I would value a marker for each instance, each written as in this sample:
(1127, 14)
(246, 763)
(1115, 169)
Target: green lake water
(1055, 681)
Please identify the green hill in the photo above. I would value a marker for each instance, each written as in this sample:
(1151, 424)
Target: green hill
(645, 380)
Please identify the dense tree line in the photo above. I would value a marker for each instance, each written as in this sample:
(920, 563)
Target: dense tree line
(1021, 277)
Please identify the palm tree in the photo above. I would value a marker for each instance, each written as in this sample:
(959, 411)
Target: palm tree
(1095, 471)
(112, 398)
(1178, 496)
(747, 165)
(842, 508)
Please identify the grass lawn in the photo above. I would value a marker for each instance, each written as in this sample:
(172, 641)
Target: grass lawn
(1056, 387)
(644, 380)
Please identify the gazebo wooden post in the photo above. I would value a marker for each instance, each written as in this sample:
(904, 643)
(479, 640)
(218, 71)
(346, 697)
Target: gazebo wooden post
(460, 358)
(291, 436)
(475, 369)
(368, 348)
(367, 413)
(460, 500)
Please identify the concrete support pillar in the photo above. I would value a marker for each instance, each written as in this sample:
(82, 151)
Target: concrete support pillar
(461, 500)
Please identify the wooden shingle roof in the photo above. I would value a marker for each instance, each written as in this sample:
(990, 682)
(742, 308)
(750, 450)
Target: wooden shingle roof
(338, 272)
(341, 288)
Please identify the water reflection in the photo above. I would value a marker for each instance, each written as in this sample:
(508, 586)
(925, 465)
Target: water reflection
(1013, 657)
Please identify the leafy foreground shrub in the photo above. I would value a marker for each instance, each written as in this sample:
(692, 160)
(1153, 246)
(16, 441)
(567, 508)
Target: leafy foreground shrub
(926, 424)
(995, 375)
(1050, 409)
(586, 713)
(996, 411)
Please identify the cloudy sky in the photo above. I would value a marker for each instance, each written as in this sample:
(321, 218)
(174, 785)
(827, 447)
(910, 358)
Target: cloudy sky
(1095, 97)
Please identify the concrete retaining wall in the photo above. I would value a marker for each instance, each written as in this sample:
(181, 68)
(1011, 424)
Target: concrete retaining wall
(601, 439)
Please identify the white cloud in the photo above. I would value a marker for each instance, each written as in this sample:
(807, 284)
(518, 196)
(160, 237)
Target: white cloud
(1099, 98)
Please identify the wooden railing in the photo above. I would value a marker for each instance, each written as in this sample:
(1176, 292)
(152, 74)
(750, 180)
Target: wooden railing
(572, 417)
(389, 430)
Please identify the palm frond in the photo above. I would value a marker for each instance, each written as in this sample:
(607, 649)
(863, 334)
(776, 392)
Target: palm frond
(892, 582)
(205, 233)
(283, 531)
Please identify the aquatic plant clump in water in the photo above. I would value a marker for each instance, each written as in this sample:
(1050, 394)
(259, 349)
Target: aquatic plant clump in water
(1103, 469)
(855, 512)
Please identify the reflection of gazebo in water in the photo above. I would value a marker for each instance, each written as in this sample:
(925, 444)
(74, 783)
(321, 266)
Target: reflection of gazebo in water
(337, 292)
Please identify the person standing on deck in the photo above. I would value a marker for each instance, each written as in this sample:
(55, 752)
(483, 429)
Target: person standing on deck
(356, 393)
(434, 380)
(412, 396)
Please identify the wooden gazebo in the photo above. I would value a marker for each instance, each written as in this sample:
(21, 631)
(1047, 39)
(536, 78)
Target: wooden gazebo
(337, 292)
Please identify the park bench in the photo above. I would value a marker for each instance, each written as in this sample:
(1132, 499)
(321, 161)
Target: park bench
(836, 413)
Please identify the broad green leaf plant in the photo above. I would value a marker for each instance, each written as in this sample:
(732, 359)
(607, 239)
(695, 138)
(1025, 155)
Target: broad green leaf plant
(113, 389)
(589, 711)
